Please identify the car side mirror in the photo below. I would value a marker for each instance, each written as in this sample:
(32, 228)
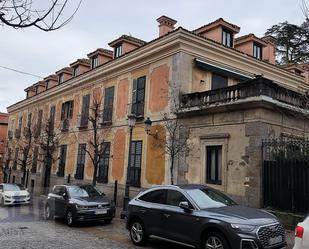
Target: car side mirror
(65, 196)
(185, 206)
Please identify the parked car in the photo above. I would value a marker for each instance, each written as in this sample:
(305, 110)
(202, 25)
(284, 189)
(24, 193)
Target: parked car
(302, 235)
(201, 217)
(78, 203)
(12, 194)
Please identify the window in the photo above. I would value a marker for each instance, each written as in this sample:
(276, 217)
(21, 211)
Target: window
(75, 71)
(257, 51)
(213, 164)
(104, 163)
(46, 85)
(94, 62)
(134, 173)
(81, 158)
(85, 111)
(227, 38)
(51, 120)
(59, 190)
(29, 120)
(218, 81)
(15, 159)
(35, 159)
(61, 78)
(62, 160)
(108, 104)
(67, 110)
(118, 51)
(138, 96)
(174, 198)
(39, 123)
(156, 196)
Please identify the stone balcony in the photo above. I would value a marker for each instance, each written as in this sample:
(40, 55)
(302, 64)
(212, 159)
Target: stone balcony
(243, 95)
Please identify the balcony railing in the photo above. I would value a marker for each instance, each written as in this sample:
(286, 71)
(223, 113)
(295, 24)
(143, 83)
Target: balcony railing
(252, 88)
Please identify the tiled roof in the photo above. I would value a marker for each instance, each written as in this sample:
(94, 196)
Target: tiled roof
(51, 77)
(65, 69)
(81, 61)
(214, 22)
(166, 19)
(4, 118)
(249, 37)
(129, 39)
(102, 51)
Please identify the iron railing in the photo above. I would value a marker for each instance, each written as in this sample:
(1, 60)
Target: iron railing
(252, 88)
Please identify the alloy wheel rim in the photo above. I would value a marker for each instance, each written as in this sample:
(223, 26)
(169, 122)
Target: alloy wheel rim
(214, 242)
(137, 232)
(69, 218)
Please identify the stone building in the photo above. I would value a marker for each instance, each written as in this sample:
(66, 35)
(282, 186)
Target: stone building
(4, 118)
(230, 95)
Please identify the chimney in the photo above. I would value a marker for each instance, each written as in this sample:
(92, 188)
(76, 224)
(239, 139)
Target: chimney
(166, 25)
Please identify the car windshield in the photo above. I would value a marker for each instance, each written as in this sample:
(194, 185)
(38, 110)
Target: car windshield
(12, 187)
(210, 198)
(83, 191)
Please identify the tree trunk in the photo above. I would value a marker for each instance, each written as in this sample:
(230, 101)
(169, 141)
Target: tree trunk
(172, 170)
(95, 173)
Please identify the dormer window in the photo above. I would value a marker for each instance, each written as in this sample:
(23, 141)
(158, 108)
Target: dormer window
(227, 38)
(75, 71)
(118, 51)
(61, 78)
(94, 62)
(47, 83)
(257, 51)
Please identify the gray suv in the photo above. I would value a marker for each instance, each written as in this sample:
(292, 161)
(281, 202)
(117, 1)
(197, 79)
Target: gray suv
(201, 217)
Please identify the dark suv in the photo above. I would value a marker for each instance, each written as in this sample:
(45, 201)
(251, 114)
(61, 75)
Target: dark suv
(201, 217)
(78, 203)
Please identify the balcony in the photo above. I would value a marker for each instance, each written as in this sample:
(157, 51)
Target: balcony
(65, 125)
(252, 91)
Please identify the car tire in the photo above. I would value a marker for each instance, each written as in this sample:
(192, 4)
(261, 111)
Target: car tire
(108, 221)
(138, 232)
(48, 213)
(69, 218)
(214, 240)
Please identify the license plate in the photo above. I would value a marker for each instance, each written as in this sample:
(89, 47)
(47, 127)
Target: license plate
(275, 240)
(101, 212)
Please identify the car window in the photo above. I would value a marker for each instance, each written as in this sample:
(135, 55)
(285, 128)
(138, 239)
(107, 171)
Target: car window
(59, 190)
(91, 191)
(175, 197)
(1, 188)
(156, 196)
(12, 187)
(210, 198)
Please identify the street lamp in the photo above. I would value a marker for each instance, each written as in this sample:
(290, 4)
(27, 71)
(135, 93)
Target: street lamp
(148, 124)
(126, 198)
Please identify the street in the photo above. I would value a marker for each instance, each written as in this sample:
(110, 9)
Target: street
(24, 227)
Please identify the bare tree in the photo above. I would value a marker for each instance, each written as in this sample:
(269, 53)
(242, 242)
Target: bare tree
(97, 138)
(44, 15)
(48, 142)
(175, 142)
(25, 145)
(305, 9)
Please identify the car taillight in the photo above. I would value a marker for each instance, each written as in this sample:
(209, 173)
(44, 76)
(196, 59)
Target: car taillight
(299, 232)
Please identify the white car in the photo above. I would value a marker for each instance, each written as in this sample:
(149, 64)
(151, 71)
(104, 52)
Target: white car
(11, 194)
(302, 235)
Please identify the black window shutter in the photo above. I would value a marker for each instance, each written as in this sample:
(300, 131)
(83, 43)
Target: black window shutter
(108, 104)
(70, 111)
(63, 111)
(85, 110)
(134, 96)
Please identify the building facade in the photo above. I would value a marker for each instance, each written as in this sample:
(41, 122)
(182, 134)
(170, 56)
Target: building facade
(226, 93)
(4, 119)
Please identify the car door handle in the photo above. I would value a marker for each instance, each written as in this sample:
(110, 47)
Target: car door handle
(167, 215)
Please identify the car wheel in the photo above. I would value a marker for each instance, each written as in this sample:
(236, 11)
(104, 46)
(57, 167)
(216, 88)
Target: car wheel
(48, 213)
(137, 232)
(214, 240)
(108, 221)
(69, 218)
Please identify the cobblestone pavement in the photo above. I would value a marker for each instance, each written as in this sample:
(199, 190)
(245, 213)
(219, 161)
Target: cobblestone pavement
(23, 227)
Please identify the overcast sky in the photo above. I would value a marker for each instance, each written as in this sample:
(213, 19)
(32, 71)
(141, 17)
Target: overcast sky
(98, 22)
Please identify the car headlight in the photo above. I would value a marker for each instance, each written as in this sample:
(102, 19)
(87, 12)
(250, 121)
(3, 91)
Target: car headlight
(244, 228)
(8, 197)
(79, 207)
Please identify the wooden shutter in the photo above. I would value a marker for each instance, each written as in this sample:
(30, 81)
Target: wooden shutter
(85, 110)
(108, 104)
(63, 111)
(140, 96)
(70, 109)
(39, 122)
(134, 97)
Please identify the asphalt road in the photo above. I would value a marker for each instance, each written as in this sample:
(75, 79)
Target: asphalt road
(24, 227)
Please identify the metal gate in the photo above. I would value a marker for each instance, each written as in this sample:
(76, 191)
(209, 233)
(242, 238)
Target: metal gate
(286, 174)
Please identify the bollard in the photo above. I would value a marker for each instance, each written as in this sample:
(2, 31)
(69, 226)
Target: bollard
(115, 192)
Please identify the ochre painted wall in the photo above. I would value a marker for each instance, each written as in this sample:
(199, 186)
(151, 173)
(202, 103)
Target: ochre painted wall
(118, 155)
